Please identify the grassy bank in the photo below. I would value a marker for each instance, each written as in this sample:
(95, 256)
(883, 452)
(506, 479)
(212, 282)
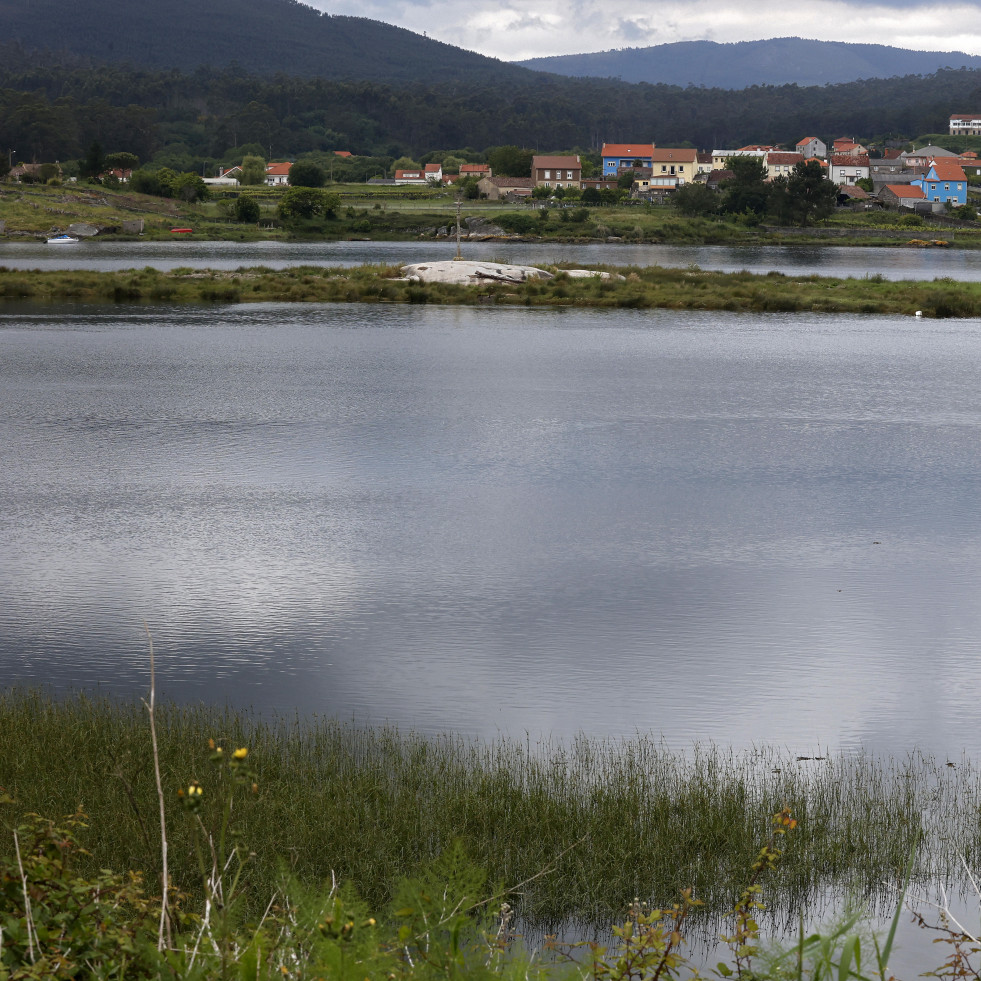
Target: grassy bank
(381, 213)
(640, 288)
(611, 820)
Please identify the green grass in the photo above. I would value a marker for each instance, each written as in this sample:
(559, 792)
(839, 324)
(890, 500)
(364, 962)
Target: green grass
(640, 288)
(628, 818)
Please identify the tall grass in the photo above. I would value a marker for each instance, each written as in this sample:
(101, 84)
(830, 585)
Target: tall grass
(371, 805)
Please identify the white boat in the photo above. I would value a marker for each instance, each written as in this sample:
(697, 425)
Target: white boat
(62, 240)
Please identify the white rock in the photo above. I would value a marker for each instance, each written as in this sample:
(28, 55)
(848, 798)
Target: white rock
(470, 273)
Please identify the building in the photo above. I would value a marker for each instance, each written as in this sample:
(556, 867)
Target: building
(966, 124)
(504, 188)
(618, 157)
(433, 173)
(556, 171)
(945, 182)
(780, 163)
(475, 170)
(410, 177)
(811, 146)
(278, 174)
(901, 195)
(720, 158)
(846, 168)
(673, 162)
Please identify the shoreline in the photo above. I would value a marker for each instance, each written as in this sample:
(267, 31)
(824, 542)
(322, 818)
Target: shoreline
(625, 287)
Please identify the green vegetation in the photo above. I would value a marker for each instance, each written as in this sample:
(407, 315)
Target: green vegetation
(639, 288)
(313, 849)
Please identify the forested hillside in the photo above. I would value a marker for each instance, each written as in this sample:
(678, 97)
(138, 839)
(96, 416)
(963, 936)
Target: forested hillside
(257, 36)
(49, 113)
(778, 61)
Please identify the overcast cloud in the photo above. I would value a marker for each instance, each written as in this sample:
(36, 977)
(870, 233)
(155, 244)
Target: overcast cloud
(514, 30)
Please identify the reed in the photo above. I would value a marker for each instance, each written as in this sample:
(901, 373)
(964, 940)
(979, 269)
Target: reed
(639, 288)
(373, 805)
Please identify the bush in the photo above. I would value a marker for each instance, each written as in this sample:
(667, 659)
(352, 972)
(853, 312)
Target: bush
(517, 224)
(246, 209)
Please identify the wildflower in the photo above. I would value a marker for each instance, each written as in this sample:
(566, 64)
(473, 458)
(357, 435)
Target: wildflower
(194, 790)
(241, 753)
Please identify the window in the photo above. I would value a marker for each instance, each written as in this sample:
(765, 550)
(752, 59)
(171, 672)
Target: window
(568, 175)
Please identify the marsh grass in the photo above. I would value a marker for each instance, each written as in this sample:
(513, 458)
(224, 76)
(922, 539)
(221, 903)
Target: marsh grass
(639, 287)
(374, 805)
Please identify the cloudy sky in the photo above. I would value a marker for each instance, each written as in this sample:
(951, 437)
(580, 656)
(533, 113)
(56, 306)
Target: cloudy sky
(517, 29)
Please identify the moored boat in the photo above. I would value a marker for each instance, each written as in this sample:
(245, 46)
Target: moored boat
(62, 240)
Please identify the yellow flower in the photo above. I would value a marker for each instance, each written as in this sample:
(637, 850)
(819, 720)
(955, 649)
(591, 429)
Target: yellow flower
(194, 790)
(241, 753)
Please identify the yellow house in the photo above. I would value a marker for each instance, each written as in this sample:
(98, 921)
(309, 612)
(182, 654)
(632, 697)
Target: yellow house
(667, 162)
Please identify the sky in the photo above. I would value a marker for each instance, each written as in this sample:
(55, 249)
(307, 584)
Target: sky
(516, 29)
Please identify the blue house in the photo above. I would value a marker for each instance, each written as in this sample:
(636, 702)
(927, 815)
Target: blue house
(944, 181)
(620, 156)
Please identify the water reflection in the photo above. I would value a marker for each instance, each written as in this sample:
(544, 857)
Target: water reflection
(749, 529)
(889, 262)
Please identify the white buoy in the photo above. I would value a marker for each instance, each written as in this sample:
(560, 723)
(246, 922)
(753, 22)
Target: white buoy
(919, 313)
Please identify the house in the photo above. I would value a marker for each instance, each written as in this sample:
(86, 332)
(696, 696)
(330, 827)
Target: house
(475, 170)
(704, 163)
(780, 163)
(944, 182)
(278, 174)
(410, 177)
(599, 184)
(846, 168)
(811, 146)
(846, 146)
(501, 188)
(966, 124)
(672, 162)
(343, 153)
(433, 173)
(556, 171)
(618, 157)
(720, 158)
(756, 148)
(901, 195)
(921, 159)
(121, 174)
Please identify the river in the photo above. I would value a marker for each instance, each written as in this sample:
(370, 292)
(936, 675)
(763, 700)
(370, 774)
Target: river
(744, 529)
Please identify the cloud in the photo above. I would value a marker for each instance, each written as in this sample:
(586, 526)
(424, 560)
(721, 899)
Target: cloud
(536, 28)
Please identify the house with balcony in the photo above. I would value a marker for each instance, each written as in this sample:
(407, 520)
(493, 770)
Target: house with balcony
(556, 171)
(673, 166)
(966, 124)
(618, 157)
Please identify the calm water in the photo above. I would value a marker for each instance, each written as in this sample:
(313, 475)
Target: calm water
(891, 263)
(748, 529)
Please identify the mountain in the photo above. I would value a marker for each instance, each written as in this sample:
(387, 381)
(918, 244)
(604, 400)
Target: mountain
(779, 61)
(257, 36)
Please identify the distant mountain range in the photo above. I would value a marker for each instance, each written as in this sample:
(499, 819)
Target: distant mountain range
(258, 36)
(779, 61)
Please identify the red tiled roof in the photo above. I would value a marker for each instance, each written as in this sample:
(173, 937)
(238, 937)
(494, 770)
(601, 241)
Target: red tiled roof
(784, 158)
(669, 154)
(565, 163)
(343, 153)
(850, 160)
(948, 170)
(278, 169)
(906, 190)
(806, 140)
(433, 168)
(409, 175)
(968, 117)
(510, 181)
(627, 149)
(474, 168)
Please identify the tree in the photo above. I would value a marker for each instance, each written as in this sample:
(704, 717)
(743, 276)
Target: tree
(804, 196)
(591, 195)
(246, 209)
(746, 190)
(122, 161)
(94, 162)
(253, 170)
(189, 187)
(695, 199)
(303, 203)
(405, 163)
(306, 174)
(626, 180)
(510, 161)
